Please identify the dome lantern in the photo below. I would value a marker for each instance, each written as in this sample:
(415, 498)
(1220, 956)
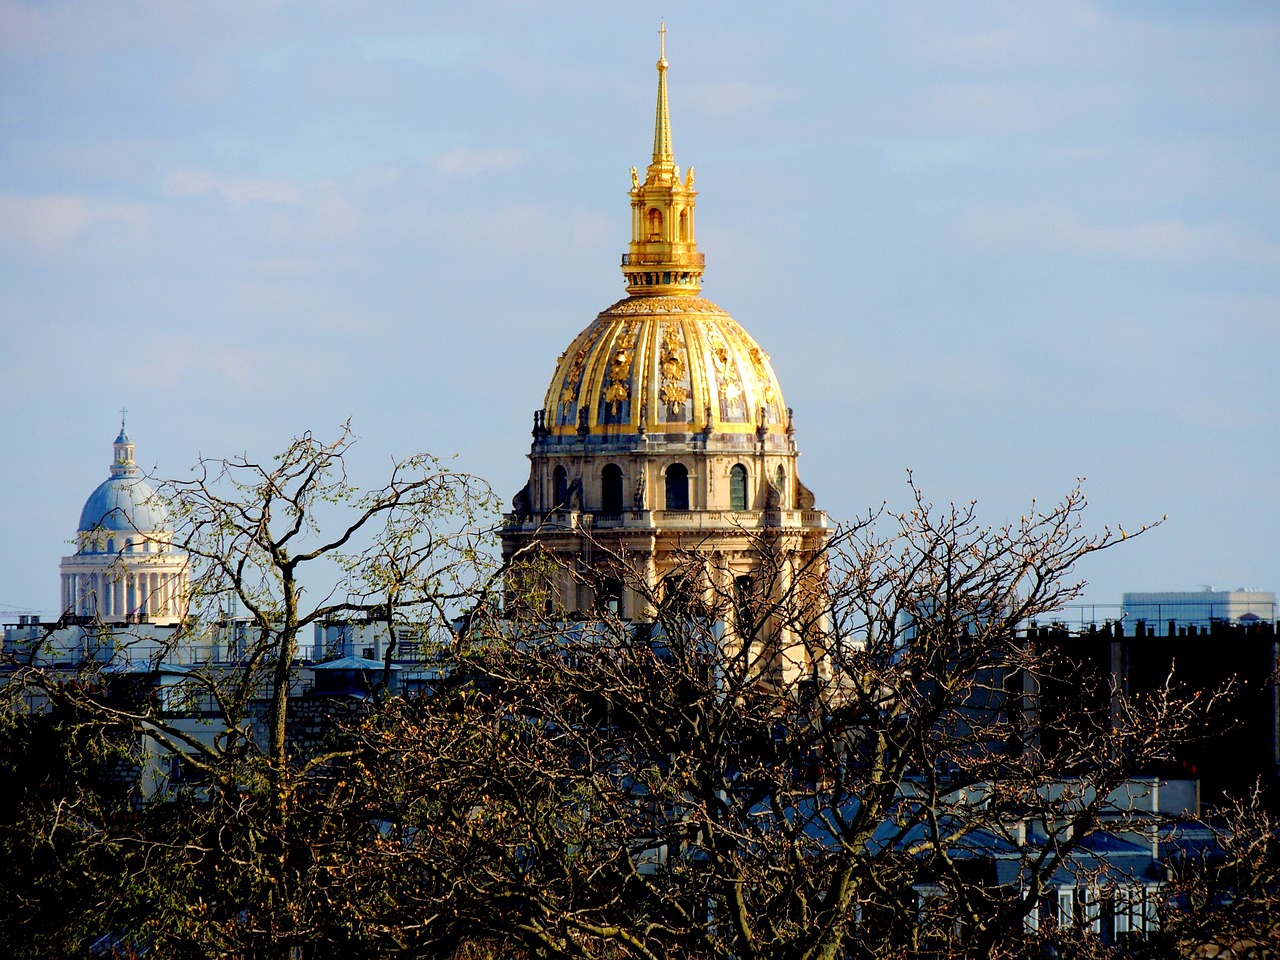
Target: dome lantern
(123, 464)
(662, 258)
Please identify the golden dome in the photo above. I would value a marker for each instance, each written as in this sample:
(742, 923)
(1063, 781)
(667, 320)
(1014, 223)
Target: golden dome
(664, 364)
(664, 360)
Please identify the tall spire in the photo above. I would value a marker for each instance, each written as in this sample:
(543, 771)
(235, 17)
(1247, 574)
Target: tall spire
(662, 259)
(662, 122)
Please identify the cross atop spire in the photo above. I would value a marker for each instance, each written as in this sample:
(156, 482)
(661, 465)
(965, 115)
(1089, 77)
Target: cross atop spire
(123, 436)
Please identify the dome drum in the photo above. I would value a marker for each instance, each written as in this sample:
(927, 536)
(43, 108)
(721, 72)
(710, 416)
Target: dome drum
(746, 490)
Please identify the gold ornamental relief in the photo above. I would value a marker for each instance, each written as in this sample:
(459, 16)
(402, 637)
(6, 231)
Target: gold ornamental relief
(671, 365)
(726, 371)
(569, 392)
(615, 393)
(674, 395)
(763, 373)
(619, 387)
(671, 362)
(632, 306)
(719, 352)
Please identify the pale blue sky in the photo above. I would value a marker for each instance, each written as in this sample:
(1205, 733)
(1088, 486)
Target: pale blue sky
(1002, 244)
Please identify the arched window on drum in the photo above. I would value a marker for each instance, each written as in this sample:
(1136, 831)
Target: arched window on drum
(677, 487)
(559, 488)
(738, 487)
(611, 489)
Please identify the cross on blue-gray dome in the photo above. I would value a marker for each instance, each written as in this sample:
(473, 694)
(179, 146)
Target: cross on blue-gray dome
(124, 502)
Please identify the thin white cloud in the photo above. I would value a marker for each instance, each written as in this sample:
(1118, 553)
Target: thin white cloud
(237, 191)
(468, 161)
(77, 27)
(438, 50)
(50, 221)
(1053, 229)
(926, 154)
(734, 98)
(182, 361)
(1014, 35)
(284, 209)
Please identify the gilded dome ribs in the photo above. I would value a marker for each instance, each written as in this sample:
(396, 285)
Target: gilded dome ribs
(664, 364)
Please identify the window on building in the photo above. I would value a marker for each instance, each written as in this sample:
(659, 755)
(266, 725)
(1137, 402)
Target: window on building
(738, 487)
(677, 487)
(560, 488)
(1031, 922)
(1150, 908)
(680, 596)
(780, 481)
(611, 489)
(609, 596)
(1125, 900)
(1066, 907)
(1093, 909)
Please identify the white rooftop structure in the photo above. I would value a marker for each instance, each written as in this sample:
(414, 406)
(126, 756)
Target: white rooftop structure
(125, 568)
(1200, 607)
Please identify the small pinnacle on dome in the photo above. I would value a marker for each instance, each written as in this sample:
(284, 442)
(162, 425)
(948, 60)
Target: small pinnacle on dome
(662, 124)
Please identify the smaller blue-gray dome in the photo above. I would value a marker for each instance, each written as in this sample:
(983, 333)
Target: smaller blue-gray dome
(124, 503)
